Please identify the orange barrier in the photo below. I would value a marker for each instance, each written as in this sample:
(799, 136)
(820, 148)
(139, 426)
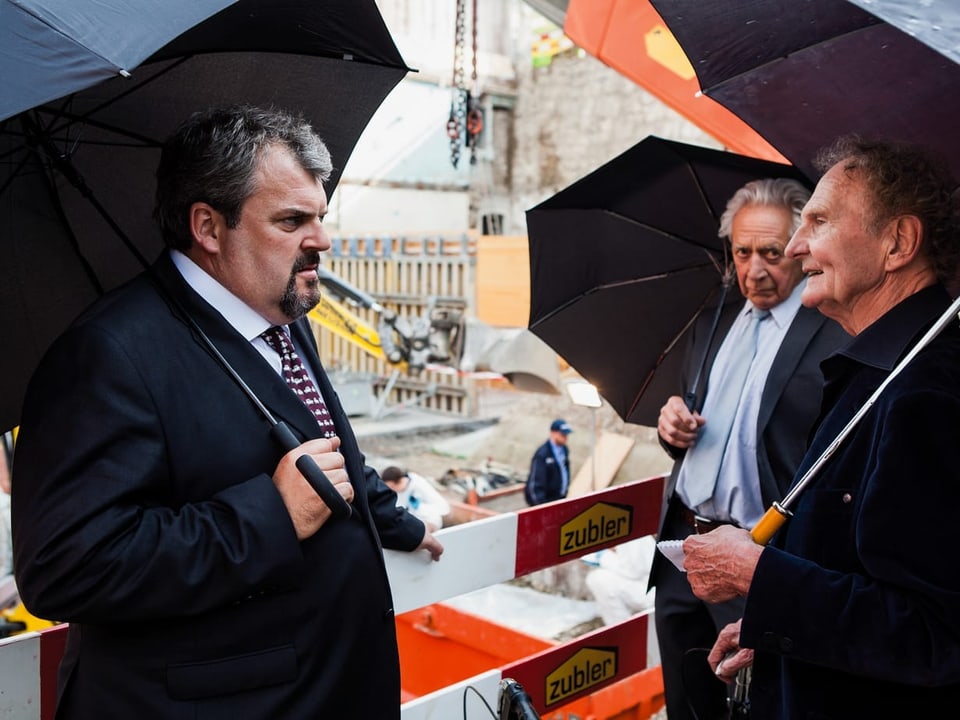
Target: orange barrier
(441, 646)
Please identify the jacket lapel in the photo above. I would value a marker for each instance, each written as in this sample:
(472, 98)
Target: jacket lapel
(241, 357)
(805, 325)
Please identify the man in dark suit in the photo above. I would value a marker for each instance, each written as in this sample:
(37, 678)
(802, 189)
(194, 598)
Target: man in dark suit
(201, 574)
(852, 611)
(549, 477)
(762, 436)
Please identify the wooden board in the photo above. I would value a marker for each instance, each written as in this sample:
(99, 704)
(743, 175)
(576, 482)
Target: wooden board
(612, 449)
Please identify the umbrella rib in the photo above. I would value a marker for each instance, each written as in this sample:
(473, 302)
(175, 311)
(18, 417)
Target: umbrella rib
(706, 203)
(69, 119)
(62, 164)
(638, 281)
(624, 283)
(780, 58)
(42, 150)
(661, 231)
(712, 261)
(666, 351)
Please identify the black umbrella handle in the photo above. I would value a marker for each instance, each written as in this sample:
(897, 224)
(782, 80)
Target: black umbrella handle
(692, 399)
(312, 472)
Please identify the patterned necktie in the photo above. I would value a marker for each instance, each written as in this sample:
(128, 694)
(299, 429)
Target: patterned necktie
(703, 462)
(298, 379)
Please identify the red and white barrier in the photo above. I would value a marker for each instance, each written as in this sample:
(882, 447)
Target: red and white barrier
(511, 545)
(477, 554)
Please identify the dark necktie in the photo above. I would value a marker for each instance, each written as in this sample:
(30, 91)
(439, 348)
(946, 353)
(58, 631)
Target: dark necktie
(298, 379)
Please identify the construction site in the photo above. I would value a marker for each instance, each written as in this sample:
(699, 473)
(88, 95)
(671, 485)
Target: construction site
(485, 169)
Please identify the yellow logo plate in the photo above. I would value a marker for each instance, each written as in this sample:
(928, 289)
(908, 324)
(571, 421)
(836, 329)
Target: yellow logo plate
(586, 668)
(595, 526)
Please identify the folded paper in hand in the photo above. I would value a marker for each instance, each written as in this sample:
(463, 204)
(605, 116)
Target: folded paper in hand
(673, 549)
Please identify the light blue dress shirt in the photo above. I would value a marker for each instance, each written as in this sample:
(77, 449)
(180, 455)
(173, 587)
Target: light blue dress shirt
(737, 496)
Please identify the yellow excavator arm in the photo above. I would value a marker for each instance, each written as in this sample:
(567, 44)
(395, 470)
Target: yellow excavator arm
(442, 336)
(409, 344)
(336, 318)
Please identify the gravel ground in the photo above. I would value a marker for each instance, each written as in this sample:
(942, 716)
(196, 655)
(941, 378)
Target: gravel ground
(519, 423)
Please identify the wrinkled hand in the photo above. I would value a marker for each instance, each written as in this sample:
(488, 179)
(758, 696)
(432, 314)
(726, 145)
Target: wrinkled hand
(727, 658)
(720, 564)
(677, 425)
(307, 511)
(431, 545)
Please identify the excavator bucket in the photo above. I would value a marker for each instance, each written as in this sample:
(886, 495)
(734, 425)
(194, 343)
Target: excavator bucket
(516, 353)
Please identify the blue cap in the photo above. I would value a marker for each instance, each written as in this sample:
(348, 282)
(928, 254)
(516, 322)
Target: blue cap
(560, 426)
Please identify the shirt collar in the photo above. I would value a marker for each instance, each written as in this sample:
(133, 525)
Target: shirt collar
(889, 338)
(244, 319)
(783, 312)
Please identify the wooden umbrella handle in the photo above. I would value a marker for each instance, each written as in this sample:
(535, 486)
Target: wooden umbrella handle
(772, 520)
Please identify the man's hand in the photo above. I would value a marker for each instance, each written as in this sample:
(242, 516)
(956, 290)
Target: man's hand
(720, 564)
(726, 657)
(431, 545)
(307, 511)
(677, 425)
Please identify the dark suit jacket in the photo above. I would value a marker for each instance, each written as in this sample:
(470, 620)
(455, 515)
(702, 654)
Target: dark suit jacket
(789, 403)
(545, 481)
(146, 517)
(854, 609)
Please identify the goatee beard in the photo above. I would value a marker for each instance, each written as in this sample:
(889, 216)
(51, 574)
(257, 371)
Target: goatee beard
(295, 304)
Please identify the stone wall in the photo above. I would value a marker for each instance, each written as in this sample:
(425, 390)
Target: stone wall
(569, 118)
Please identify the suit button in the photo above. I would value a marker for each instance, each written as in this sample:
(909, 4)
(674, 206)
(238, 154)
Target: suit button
(786, 645)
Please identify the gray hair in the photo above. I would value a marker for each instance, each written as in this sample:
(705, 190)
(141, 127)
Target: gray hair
(784, 192)
(213, 157)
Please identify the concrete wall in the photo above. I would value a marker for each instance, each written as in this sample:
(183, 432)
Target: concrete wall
(572, 116)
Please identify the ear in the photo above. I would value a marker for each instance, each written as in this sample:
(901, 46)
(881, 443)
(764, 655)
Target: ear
(207, 227)
(905, 241)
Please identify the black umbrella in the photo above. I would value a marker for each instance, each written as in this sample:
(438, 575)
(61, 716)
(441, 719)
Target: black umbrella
(801, 73)
(77, 174)
(624, 260)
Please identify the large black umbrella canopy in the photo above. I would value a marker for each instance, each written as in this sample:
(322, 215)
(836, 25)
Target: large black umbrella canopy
(77, 174)
(802, 72)
(49, 48)
(624, 260)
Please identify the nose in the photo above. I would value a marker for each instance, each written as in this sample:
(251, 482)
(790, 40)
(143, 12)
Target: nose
(797, 245)
(757, 267)
(317, 238)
